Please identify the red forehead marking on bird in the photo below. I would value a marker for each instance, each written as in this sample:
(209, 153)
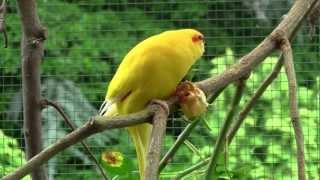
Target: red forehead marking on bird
(197, 38)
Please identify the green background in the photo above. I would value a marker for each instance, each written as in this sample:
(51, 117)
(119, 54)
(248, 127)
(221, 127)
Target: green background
(88, 39)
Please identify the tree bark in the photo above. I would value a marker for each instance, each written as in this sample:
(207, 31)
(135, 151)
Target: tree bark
(32, 52)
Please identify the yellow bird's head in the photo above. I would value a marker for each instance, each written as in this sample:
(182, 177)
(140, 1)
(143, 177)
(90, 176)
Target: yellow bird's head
(188, 38)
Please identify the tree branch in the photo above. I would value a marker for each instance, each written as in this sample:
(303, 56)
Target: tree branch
(222, 137)
(32, 52)
(153, 156)
(46, 102)
(293, 105)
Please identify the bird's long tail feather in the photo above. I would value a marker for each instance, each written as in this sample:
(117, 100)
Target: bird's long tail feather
(140, 135)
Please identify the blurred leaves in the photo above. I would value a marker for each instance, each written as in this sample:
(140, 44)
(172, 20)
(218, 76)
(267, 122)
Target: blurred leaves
(11, 156)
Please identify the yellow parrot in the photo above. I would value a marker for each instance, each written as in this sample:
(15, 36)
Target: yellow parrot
(151, 70)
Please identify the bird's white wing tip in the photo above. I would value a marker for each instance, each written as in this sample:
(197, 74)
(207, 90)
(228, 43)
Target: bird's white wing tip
(104, 107)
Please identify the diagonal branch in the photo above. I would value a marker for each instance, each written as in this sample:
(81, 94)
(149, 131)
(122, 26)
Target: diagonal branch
(46, 102)
(293, 105)
(222, 137)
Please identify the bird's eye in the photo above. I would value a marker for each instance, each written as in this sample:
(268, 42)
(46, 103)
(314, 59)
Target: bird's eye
(197, 38)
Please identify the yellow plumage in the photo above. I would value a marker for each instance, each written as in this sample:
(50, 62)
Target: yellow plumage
(151, 70)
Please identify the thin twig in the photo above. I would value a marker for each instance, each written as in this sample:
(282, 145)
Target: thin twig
(73, 127)
(248, 106)
(293, 105)
(3, 29)
(174, 148)
(193, 148)
(222, 137)
(192, 168)
(158, 130)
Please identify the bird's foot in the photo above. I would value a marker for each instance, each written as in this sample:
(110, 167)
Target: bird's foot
(183, 90)
(191, 99)
(162, 104)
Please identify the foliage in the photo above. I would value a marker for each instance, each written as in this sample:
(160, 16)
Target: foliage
(11, 156)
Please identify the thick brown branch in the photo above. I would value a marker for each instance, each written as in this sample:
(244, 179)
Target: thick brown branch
(72, 126)
(293, 105)
(32, 52)
(153, 156)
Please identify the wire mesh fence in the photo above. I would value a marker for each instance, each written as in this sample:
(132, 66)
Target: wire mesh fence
(88, 39)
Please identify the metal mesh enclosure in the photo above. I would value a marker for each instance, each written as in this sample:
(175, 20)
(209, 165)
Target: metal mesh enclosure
(88, 39)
